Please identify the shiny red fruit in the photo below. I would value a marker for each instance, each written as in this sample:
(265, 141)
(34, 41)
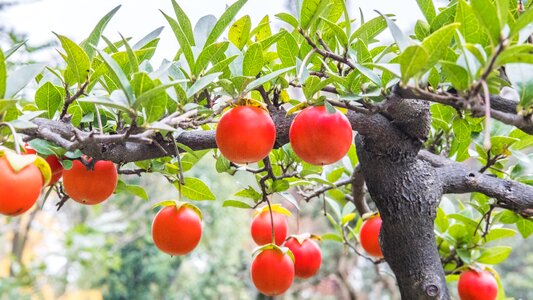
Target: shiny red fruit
(369, 236)
(477, 286)
(18, 190)
(307, 256)
(177, 231)
(319, 137)
(53, 162)
(261, 228)
(245, 134)
(90, 186)
(272, 272)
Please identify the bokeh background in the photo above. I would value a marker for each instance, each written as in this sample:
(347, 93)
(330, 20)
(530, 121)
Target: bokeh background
(106, 251)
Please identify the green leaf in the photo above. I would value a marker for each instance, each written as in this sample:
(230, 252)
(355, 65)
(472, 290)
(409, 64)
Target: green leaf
(446, 16)
(77, 60)
(487, 15)
(212, 53)
(221, 65)
(401, 39)
(525, 227)
(118, 76)
(222, 164)
(147, 96)
(224, 21)
(494, 255)
(135, 190)
(287, 49)
(184, 22)
(239, 32)
(249, 192)
(253, 60)
(201, 83)
(195, 189)
(369, 30)
(437, 43)
(49, 98)
(412, 60)
(516, 54)
(441, 221)
(264, 79)
(461, 129)
(309, 10)
(422, 30)
(93, 39)
(470, 27)
(521, 76)
(332, 237)
(499, 233)
(524, 20)
(280, 185)
(145, 41)
(369, 74)
(132, 59)
(236, 203)
(185, 46)
(13, 49)
(427, 8)
(104, 102)
(456, 74)
(337, 30)
(263, 30)
(288, 18)
(18, 79)
(500, 144)
(3, 75)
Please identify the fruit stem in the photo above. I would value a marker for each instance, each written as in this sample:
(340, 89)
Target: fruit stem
(271, 221)
(14, 134)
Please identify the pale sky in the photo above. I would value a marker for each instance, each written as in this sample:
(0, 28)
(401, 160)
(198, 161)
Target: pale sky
(76, 19)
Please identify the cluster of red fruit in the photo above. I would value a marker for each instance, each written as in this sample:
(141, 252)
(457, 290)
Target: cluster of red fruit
(86, 182)
(246, 134)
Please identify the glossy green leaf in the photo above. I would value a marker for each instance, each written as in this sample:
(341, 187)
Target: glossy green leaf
(202, 83)
(93, 39)
(264, 79)
(470, 26)
(224, 21)
(499, 233)
(288, 18)
(236, 203)
(369, 30)
(487, 15)
(184, 22)
(494, 255)
(185, 46)
(195, 189)
(49, 98)
(412, 61)
(212, 53)
(239, 32)
(253, 60)
(445, 16)
(135, 190)
(437, 43)
(524, 20)
(401, 39)
(521, 76)
(428, 9)
(118, 76)
(308, 12)
(132, 59)
(150, 37)
(337, 30)
(21, 77)
(456, 74)
(525, 227)
(77, 60)
(287, 49)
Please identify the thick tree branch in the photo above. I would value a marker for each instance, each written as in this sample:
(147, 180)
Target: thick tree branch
(458, 179)
(502, 109)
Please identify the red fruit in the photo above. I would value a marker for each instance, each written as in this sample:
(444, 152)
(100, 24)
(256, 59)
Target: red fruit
(272, 272)
(475, 285)
(262, 228)
(90, 186)
(369, 236)
(53, 162)
(319, 137)
(245, 134)
(18, 190)
(177, 230)
(307, 256)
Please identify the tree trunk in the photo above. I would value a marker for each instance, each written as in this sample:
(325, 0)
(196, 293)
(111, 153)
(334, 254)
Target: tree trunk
(407, 192)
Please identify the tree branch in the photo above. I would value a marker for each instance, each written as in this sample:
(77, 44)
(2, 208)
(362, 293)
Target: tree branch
(458, 179)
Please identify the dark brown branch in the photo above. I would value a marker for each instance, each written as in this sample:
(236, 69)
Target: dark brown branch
(326, 188)
(325, 53)
(69, 99)
(458, 179)
(502, 109)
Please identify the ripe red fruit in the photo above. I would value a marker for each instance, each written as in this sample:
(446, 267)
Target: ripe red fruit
(319, 137)
(475, 285)
(18, 190)
(369, 236)
(307, 256)
(90, 186)
(272, 272)
(245, 134)
(261, 228)
(53, 162)
(177, 230)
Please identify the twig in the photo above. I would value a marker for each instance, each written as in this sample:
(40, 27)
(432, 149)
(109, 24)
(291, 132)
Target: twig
(69, 99)
(325, 53)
